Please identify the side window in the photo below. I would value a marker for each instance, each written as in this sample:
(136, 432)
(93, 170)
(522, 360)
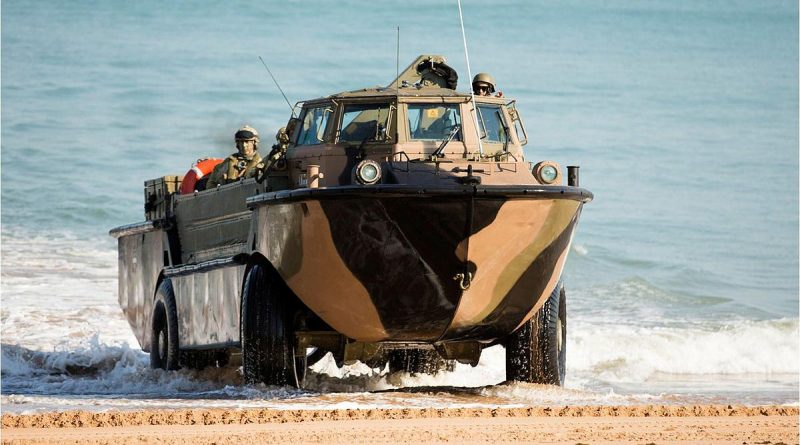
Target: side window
(365, 122)
(492, 124)
(433, 122)
(314, 122)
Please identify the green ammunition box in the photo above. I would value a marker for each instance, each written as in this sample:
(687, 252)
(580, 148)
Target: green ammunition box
(158, 196)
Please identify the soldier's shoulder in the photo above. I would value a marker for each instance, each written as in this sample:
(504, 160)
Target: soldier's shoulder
(222, 165)
(230, 158)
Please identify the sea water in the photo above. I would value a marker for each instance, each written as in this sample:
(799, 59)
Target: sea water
(682, 279)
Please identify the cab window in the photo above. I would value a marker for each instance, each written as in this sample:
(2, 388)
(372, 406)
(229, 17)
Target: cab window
(491, 123)
(365, 122)
(314, 122)
(433, 122)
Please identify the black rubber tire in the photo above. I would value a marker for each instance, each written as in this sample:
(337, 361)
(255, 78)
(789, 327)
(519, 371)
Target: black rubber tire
(537, 351)
(418, 361)
(164, 347)
(268, 341)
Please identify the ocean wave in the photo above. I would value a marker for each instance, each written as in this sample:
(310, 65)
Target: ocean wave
(96, 368)
(637, 353)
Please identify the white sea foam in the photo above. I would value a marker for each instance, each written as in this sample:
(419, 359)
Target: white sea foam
(580, 249)
(57, 289)
(623, 352)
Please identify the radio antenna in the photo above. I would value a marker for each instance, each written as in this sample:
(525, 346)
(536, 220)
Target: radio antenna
(276, 84)
(469, 73)
(397, 76)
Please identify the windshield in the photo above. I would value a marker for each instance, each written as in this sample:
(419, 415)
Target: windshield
(491, 123)
(314, 122)
(364, 122)
(433, 122)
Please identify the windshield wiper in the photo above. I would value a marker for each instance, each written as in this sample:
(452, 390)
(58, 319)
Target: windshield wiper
(450, 137)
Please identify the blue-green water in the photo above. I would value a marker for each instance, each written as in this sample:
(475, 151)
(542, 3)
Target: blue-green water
(683, 117)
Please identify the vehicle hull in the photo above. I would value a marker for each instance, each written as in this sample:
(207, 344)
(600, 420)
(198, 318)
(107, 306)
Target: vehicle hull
(412, 264)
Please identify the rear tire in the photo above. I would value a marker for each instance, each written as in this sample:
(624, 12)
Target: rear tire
(268, 340)
(164, 350)
(537, 352)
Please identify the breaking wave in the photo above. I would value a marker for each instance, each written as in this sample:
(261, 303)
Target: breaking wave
(623, 352)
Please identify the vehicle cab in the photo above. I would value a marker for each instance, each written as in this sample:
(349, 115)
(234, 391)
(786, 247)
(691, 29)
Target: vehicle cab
(408, 134)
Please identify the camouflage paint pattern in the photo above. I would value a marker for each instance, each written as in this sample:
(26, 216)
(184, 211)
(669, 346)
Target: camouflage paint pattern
(380, 268)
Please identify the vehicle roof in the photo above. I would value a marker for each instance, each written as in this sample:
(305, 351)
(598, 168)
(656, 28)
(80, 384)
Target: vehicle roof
(403, 92)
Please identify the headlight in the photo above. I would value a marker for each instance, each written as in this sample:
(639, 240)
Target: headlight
(547, 172)
(368, 172)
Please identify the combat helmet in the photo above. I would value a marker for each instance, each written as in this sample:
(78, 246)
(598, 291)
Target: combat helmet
(247, 133)
(483, 79)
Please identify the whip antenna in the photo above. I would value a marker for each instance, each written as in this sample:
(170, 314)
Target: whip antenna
(469, 73)
(397, 77)
(276, 84)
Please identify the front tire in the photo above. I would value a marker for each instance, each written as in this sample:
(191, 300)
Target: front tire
(164, 347)
(268, 341)
(537, 352)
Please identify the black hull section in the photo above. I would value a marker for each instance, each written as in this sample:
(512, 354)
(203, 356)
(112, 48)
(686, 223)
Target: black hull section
(400, 249)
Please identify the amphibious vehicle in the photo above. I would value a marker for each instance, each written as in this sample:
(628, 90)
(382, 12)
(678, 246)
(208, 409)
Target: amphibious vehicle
(402, 227)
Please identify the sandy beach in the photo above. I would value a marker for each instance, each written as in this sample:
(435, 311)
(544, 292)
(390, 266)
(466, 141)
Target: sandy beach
(700, 424)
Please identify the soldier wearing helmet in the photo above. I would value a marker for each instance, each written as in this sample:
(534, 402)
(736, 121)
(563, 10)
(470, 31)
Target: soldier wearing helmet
(483, 84)
(242, 164)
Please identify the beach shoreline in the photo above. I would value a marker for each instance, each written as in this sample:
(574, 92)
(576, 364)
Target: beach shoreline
(557, 424)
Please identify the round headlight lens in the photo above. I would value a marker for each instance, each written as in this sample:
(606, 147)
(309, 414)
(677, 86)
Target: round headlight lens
(549, 173)
(368, 172)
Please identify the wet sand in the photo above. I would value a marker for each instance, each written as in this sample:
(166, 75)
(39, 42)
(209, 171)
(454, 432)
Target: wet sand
(702, 424)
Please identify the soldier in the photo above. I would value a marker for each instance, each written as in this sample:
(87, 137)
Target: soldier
(483, 84)
(279, 148)
(242, 164)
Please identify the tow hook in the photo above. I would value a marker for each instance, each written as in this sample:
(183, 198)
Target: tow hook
(464, 280)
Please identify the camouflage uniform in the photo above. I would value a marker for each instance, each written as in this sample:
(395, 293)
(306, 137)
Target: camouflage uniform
(233, 168)
(279, 148)
(238, 165)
